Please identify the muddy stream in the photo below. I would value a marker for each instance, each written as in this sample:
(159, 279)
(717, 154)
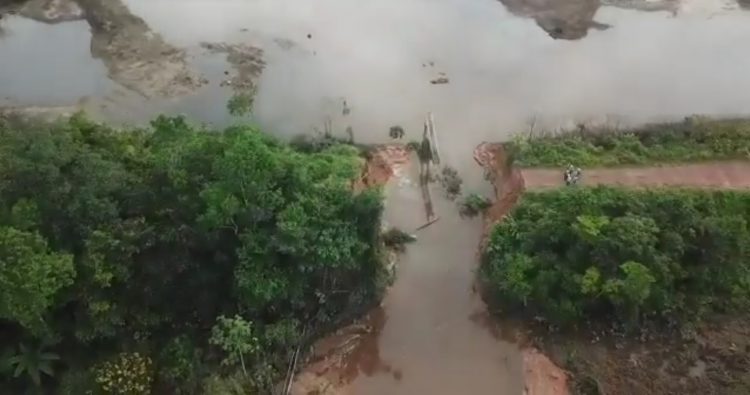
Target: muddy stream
(434, 338)
(486, 69)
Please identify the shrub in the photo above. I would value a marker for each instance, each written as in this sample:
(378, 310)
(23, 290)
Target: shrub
(451, 182)
(691, 140)
(474, 204)
(241, 104)
(234, 335)
(180, 365)
(602, 253)
(127, 374)
(396, 132)
(78, 382)
(234, 384)
(397, 239)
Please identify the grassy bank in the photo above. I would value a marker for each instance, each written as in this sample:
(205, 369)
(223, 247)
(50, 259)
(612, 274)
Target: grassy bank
(695, 139)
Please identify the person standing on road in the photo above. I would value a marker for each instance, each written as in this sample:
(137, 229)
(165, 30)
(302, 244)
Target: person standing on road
(572, 175)
(568, 175)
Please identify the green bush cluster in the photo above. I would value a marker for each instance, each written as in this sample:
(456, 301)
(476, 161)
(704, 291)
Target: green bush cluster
(623, 256)
(694, 139)
(397, 239)
(474, 204)
(127, 374)
(143, 239)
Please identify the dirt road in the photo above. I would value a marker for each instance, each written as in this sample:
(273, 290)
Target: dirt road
(725, 175)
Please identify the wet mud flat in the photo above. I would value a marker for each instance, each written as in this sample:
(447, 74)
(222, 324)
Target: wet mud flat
(710, 359)
(134, 55)
(572, 19)
(46, 11)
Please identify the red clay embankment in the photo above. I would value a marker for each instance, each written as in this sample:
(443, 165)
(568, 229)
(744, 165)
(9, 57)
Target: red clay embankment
(541, 375)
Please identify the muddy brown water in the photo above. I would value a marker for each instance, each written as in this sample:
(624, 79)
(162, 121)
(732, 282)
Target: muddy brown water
(433, 338)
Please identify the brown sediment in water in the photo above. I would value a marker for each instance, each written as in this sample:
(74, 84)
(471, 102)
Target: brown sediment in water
(508, 332)
(421, 339)
(352, 362)
(386, 351)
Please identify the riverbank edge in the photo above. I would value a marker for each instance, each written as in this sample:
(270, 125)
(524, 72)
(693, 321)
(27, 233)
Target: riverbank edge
(542, 375)
(325, 368)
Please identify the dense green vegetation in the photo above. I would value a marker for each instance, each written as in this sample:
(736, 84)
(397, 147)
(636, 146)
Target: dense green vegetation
(614, 255)
(170, 259)
(691, 140)
(474, 204)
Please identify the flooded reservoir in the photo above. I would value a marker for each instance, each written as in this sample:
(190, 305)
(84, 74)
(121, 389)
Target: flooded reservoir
(486, 69)
(642, 61)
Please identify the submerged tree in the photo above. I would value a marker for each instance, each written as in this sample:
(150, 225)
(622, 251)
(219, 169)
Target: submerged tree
(396, 132)
(241, 104)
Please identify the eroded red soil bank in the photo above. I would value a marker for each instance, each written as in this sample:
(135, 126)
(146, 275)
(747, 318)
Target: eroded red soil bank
(541, 375)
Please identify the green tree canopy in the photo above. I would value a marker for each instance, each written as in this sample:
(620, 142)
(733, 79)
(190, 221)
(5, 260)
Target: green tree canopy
(118, 239)
(608, 253)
